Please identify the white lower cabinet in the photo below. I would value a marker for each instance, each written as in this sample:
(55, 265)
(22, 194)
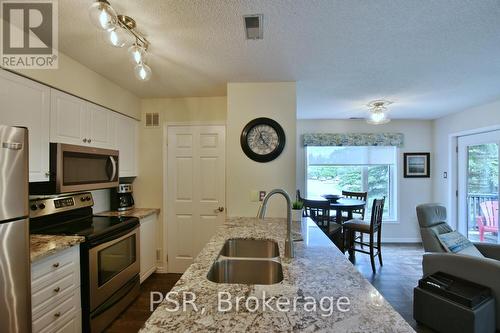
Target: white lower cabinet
(55, 293)
(148, 246)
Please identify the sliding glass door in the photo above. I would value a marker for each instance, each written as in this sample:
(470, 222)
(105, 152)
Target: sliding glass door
(478, 194)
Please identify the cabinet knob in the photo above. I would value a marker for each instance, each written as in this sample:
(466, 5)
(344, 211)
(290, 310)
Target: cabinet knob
(85, 140)
(89, 141)
(57, 289)
(57, 314)
(55, 265)
(220, 209)
(47, 174)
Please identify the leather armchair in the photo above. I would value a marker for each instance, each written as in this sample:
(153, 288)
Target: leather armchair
(484, 271)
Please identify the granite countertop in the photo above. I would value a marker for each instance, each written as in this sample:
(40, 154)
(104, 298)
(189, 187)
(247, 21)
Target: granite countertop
(318, 275)
(42, 246)
(134, 212)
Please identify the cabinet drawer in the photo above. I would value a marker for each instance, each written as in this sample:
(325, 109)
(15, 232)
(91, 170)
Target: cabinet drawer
(49, 269)
(53, 292)
(72, 325)
(57, 316)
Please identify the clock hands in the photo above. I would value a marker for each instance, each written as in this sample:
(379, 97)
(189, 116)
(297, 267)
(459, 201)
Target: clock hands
(262, 139)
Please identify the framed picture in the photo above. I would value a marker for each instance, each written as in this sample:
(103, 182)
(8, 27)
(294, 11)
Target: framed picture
(417, 165)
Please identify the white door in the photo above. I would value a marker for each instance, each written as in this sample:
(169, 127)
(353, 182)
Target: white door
(24, 102)
(102, 127)
(69, 119)
(195, 190)
(126, 143)
(478, 190)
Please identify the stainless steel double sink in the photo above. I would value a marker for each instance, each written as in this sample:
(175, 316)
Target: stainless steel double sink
(247, 261)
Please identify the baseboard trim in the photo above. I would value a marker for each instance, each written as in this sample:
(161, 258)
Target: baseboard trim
(401, 240)
(161, 270)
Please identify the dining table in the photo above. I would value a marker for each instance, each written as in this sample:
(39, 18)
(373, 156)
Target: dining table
(341, 205)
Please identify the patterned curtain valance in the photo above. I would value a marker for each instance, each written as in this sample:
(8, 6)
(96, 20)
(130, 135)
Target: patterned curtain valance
(354, 139)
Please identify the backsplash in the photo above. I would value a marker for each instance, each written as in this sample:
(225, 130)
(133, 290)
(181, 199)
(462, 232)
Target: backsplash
(101, 200)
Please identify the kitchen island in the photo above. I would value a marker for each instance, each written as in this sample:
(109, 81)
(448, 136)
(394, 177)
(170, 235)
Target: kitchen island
(319, 272)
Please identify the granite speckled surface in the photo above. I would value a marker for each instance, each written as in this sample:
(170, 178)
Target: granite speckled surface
(42, 246)
(318, 270)
(134, 212)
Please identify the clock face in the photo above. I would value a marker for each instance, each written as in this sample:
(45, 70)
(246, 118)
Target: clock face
(262, 139)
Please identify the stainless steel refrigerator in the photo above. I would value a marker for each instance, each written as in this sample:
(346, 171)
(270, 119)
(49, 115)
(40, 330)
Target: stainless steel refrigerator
(15, 295)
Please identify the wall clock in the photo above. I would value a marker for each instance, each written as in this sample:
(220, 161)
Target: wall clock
(262, 139)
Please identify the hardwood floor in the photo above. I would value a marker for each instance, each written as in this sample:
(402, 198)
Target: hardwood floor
(132, 319)
(395, 281)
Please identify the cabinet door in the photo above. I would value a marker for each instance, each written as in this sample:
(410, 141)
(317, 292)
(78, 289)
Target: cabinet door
(69, 119)
(148, 247)
(102, 127)
(27, 103)
(126, 143)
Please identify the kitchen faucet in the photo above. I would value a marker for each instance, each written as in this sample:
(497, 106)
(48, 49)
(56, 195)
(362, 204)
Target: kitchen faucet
(289, 253)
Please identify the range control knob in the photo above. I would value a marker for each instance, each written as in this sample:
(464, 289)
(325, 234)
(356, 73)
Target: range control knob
(33, 207)
(41, 206)
(82, 199)
(87, 198)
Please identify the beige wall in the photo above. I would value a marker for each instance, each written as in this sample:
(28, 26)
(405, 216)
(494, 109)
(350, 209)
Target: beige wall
(411, 191)
(148, 187)
(446, 129)
(76, 79)
(246, 101)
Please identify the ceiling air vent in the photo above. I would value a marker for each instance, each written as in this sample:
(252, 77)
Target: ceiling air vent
(152, 120)
(253, 26)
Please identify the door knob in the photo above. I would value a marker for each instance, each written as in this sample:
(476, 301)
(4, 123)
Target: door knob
(220, 209)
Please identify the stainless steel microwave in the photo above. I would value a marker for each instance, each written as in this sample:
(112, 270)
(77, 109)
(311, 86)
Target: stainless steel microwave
(79, 168)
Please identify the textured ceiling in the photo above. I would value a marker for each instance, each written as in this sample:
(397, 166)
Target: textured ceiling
(430, 57)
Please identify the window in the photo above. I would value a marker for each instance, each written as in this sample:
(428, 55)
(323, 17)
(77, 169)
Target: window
(372, 169)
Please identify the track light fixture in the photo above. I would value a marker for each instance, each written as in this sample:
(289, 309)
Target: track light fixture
(120, 31)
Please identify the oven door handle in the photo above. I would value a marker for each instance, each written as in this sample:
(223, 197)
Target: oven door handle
(113, 164)
(115, 236)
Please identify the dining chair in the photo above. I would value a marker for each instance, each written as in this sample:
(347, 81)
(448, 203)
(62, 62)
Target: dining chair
(319, 212)
(371, 228)
(358, 213)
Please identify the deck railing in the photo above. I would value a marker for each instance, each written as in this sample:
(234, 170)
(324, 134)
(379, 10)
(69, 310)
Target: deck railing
(473, 202)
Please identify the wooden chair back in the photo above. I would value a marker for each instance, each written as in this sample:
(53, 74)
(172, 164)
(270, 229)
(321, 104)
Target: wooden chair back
(377, 213)
(489, 210)
(359, 196)
(318, 211)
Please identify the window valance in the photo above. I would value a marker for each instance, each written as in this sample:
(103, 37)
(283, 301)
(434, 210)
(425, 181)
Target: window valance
(354, 139)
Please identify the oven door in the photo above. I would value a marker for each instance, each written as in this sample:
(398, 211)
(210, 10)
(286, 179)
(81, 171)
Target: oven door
(80, 168)
(111, 265)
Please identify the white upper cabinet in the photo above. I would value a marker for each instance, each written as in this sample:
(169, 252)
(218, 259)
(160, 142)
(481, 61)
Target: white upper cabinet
(26, 103)
(69, 119)
(102, 133)
(76, 121)
(126, 143)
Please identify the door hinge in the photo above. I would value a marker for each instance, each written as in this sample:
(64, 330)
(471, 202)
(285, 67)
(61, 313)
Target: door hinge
(456, 193)
(456, 149)
(166, 257)
(158, 254)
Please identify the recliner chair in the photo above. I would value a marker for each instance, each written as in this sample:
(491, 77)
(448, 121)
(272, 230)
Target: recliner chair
(484, 271)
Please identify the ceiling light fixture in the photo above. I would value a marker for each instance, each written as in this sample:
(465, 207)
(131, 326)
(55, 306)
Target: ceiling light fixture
(378, 112)
(120, 31)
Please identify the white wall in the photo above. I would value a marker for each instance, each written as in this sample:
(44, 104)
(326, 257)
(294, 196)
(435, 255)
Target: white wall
(148, 186)
(74, 78)
(246, 101)
(445, 130)
(411, 191)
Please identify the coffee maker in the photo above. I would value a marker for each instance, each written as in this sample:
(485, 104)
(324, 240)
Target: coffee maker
(121, 197)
